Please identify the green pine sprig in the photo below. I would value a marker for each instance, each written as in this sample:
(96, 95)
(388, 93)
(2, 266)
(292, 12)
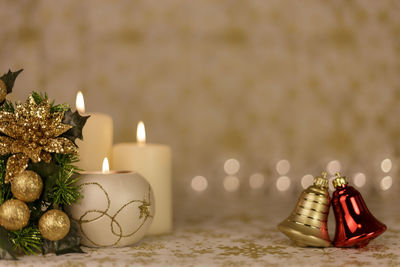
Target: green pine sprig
(64, 191)
(27, 240)
(67, 162)
(7, 106)
(5, 189)
(40, 97)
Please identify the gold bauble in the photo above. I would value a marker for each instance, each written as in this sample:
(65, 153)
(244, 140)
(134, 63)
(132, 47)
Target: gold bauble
(27, 186)
(3, 91)
(54, 225)
(14, 214)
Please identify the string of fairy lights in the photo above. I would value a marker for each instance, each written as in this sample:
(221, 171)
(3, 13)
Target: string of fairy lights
(257, 180)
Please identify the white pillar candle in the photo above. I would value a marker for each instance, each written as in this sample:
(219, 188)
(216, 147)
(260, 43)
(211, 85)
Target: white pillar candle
(153, 161)
(97, 138)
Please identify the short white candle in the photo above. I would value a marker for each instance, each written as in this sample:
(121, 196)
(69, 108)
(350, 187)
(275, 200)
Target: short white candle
(116, 208)
(97, 137)
(153, 161)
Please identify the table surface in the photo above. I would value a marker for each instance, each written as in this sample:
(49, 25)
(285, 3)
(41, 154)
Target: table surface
(242, 233)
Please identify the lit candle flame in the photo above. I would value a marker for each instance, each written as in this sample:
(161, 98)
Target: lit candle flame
(106, 165)
(80, 103)
(141, 133)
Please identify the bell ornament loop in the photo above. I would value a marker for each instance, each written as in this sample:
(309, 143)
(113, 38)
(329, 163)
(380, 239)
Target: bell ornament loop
(339, 181)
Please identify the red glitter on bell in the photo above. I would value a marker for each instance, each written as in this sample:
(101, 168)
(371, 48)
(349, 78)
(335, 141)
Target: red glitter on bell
(355, 225)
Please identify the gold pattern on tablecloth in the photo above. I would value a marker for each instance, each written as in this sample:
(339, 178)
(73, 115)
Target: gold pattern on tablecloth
(230, 241)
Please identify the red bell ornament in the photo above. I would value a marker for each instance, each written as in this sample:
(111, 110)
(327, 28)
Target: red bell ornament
(355, 225)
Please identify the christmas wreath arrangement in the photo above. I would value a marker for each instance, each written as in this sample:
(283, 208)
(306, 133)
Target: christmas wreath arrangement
(37, 157)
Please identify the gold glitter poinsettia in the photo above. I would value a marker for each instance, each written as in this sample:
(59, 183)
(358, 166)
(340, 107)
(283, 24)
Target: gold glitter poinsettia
(32, 132)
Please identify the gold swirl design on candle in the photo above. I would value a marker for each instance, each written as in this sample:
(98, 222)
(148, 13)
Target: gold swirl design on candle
(144, 212)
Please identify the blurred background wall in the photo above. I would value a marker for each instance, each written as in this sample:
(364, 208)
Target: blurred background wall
(313, 82)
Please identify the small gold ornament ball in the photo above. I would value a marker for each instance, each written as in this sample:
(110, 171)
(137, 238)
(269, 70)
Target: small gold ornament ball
(54, 225)
(3, 91)
(14, 214)
(27, 186)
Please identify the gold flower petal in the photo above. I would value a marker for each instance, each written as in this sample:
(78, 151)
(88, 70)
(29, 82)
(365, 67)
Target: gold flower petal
(6, 116)
(57, 117)
(5, 145)
(6, 120)
(16, 164)
(60, 145)
(19, 111)
(31, 150)
(59, 129)
(32, 132)
(7, 128)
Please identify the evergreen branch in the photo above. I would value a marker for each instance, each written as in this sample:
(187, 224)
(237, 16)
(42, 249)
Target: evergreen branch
(5, 189)
(59, 107)
(5, 192)
(67, 161)
(40, 97)
(28, 240)
(64, 191)
(7, 106)
(6, 247)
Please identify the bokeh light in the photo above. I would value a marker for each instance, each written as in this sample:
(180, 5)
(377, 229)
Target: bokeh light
(359, 179)
(386, 165)
(386, 183)
(256, 180)
(307, 180)
(231, 166)
(199, 183)
(231, 183)
(283, 166)
(283, 183)
(333, 166)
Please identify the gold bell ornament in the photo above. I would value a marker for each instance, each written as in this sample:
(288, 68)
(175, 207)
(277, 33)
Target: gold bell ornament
(307, 224)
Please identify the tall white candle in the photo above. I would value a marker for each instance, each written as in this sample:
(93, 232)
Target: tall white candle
(97, 138)
(153, 161)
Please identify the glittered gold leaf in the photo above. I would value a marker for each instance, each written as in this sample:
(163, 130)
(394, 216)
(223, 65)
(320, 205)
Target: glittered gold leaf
(33, 132)
(5, 145)
(60, 145)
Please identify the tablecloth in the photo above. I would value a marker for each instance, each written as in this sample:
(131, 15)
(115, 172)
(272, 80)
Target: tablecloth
(236, 232)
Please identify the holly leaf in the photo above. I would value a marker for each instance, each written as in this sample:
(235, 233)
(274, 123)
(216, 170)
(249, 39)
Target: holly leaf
(9, 79)
(5, 245)
(77, 122)
(69, 244)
